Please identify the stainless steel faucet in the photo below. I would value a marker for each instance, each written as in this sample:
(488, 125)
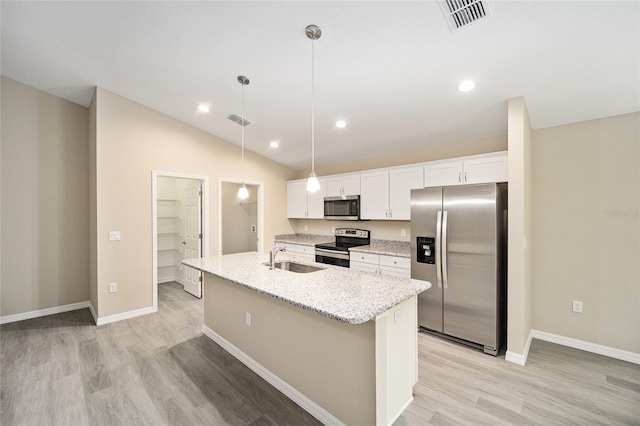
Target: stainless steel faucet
(272, 255)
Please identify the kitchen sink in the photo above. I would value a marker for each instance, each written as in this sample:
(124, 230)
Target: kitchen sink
(299, 268)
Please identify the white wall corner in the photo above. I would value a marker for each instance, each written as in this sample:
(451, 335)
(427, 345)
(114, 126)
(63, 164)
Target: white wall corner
(520, 359)
(94, 314)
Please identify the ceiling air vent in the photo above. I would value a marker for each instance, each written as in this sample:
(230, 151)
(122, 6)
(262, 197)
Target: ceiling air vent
(462, 13)
(237, 119)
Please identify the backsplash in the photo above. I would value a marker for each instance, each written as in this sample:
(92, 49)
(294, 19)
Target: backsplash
(380, 229)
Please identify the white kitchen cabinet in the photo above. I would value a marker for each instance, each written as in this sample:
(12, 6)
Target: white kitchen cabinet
(485, 168)
(374, 195)
(382, 264)
(302, 204)
(343, 185)
(386, 194)
(401, 182)
(299, 252)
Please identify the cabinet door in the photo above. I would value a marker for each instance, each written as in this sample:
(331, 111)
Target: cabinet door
(334, 186)
(297, 199)
(351, 185)
(315, 201)
(401, 182)
(486, 170)
(374, 195)
(443, 173)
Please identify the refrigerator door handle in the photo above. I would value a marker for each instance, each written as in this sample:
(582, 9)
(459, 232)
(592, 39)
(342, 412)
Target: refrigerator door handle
(438, 238)
(444, 249)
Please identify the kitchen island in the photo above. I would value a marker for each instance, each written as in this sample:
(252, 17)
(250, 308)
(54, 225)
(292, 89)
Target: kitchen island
(340, 343)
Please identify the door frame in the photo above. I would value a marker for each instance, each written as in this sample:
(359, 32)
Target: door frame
(260, 186)
(155, 174)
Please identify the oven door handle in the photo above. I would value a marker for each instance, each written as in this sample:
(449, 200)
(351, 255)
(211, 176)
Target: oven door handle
(331, 253)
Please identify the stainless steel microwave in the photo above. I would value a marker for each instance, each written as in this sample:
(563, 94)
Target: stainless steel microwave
(345, 207)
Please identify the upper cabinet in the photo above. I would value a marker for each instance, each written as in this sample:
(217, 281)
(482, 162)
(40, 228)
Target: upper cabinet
(343, 185)
(302, 204)
(386, 194)
(478, 169)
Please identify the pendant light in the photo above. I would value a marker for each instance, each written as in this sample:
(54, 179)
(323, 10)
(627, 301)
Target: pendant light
(243, 192)
(313, 185)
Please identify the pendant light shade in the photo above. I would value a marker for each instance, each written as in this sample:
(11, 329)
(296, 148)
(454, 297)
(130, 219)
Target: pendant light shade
(313, 184)
(243, 192)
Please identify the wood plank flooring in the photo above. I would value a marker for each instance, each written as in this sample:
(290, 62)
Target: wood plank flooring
(159, 369)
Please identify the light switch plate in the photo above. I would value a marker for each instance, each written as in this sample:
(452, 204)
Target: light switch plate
(114, 235)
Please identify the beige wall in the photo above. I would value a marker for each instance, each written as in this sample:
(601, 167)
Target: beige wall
(586, 217)
(132, 141)
(45, 209)
(519, 292)
(461, 149)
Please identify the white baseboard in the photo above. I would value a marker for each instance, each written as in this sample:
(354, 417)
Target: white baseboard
(587, 346)
(520, 359)
(125, 315)
(179, 280)
(292, 393)
(43, 312)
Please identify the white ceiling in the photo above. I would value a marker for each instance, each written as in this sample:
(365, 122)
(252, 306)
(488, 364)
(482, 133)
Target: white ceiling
(390, 69)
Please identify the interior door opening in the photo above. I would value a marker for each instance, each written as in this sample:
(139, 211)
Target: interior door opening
(240, 221)
(179, 230)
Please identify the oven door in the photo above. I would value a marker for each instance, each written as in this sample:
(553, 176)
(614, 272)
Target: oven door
(331, 257)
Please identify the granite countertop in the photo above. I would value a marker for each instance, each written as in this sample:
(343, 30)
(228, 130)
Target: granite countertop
(305, 239)
(387, 247)
(341, 294)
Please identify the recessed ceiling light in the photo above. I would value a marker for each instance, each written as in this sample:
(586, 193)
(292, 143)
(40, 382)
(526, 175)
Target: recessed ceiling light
(466, 86)
(274, 144)
(341, 124)
(203, 108)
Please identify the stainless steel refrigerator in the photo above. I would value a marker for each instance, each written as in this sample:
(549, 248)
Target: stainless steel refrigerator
(458, 244)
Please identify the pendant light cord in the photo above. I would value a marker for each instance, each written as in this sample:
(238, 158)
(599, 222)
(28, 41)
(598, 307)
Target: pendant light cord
(242, 125)
(313, 119)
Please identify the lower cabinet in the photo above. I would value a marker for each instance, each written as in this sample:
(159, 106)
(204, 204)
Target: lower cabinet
(381, 263)
(299, 252)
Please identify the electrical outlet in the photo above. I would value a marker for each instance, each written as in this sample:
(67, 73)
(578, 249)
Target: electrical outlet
(577, 306)
(306, 228)
(114, 235)
(247, 318)
(403, 232)
(113, 287)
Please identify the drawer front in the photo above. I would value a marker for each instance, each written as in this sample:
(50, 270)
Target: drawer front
(291, 248)
(396, 272)
(360, 266)
(395, 261)
(307, 250)
(355, 256)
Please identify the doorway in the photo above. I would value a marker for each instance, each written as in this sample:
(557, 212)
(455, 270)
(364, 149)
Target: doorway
(240, 221)
(180, 212)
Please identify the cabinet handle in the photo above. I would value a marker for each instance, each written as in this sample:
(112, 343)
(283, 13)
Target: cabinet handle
(390, 212)
(465, 176)
(459, 176)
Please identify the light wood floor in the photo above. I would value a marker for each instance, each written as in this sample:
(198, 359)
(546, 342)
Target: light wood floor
(159, 369)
